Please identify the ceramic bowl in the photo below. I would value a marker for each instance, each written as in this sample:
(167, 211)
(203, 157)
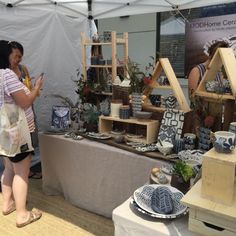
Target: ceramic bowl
(165, 148)
(143, 114)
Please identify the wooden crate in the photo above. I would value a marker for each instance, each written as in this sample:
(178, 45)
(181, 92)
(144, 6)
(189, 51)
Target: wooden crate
(218, 176)
(208, 217)
(149, 126)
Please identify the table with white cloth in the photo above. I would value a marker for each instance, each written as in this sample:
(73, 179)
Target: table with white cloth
(129, 222)
(91, 175)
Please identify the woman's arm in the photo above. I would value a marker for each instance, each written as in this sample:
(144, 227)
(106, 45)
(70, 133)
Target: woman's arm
(25, 101)
(193, 81)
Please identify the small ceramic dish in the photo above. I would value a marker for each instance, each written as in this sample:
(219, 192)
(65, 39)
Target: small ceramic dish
(165, 147)
(143, 114)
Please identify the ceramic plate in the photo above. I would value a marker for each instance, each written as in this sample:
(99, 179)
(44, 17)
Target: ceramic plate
(142, 197)
(134, 136)
(117, 132)
(136, 207)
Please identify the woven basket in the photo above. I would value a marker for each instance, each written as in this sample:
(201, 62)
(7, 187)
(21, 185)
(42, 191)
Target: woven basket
(122, 93)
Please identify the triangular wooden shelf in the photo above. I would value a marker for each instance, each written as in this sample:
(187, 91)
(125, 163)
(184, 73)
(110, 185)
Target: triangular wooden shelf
(225, 57)
(164, 64)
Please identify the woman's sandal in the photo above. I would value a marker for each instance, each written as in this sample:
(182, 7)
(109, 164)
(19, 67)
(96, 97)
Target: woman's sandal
(35, 175)
(34, 215)
(10, 210)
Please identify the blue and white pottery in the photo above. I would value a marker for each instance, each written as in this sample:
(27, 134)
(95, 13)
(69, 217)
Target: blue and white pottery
(232, 127)
(189, 141)
(178, 145)
(170, 101)
(224, 141)
(155, 99)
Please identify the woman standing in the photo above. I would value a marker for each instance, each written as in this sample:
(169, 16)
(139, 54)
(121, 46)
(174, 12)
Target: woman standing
(15, 176)
(23, 74)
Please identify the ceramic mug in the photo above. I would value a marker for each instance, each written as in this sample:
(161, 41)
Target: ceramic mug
(189, 141)
(224, 141)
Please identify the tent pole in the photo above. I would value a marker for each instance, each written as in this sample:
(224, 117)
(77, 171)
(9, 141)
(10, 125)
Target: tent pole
(158, 35)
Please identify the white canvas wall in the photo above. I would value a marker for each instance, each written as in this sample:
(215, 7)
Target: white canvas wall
(52, 45)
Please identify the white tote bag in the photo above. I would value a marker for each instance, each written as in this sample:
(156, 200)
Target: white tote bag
(14, 131)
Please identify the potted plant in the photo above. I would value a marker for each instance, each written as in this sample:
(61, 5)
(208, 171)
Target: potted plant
(181, 175)
(90, 117)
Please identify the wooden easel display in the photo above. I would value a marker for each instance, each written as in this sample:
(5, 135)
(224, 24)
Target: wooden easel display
(223, 57)
(164, 65)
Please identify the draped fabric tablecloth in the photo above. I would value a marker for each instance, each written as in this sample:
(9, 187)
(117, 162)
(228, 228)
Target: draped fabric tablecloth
(130, 222)
(91, 175)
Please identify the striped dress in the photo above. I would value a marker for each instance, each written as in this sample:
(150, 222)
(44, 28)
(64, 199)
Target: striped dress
(202, 70)
(12, 84)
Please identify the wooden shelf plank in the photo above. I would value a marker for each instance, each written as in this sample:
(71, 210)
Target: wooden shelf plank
(130, 120)
(149, 107)
(102, 93)
(103, 66)
(215, 96)
(90, 43)
(162, 87)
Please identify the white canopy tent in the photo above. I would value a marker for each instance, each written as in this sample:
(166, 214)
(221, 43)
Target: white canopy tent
(50, 33)
(111, 8)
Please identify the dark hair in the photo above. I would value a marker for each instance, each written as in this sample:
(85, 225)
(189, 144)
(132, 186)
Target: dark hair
(220, 44)
(16, 45)
(5, 51)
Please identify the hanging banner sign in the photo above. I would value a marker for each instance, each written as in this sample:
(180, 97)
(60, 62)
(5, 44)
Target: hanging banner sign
(201, 33)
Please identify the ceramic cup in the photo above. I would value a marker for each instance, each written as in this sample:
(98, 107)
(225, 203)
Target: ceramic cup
(189, 141)
(170, 101)
(178, 145)
(232, 127)
(155, 99)
(224, 141)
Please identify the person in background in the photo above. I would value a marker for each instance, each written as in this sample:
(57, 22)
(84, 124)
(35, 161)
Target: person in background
(197, 104)
(20, 69)
(14, 179)
(197, 73)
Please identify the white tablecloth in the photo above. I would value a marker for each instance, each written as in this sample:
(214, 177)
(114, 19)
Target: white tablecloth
(91, 175)
(129, 222)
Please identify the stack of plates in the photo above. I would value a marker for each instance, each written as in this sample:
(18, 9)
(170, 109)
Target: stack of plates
(141, 201)
(98, 135)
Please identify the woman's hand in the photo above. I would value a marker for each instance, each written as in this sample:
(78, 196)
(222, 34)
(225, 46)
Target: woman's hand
(38, 83)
